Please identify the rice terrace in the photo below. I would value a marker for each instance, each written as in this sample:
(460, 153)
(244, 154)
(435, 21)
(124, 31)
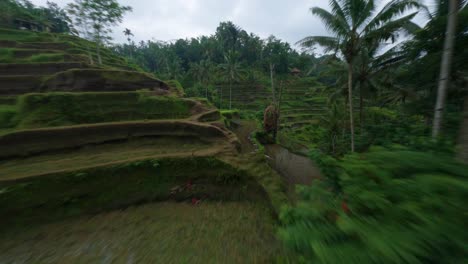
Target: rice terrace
(345, 141)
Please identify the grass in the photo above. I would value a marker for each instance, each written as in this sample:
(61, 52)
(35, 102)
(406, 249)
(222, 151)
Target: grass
(47, 57)
(166, 232)
(14, 55)
(6, 55)
(62, 195)
(19, 35)
(7, 113)
(59, 109)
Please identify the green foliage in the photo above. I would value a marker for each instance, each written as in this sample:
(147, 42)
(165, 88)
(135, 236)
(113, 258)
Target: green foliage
(47, 58)
(207, 92)
(395, 206)
(72, 48)
(178, 86)
(58, 109)
(195, 60)
(94, 19)
(383, 126)
(380, 127)
(6, 55)
(7, 114)
(52, 17)
(230, 113)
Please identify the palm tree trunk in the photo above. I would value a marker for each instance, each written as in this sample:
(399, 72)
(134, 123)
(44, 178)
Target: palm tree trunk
(271, 80)
(130, 49)
(91, 61)
(445, 67)
(350, 97)
(98, 51)
(221, 97)
(361, 108)
(230, 93)
(463, 136)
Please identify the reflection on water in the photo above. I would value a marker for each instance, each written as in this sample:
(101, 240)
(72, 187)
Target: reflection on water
(295, 168)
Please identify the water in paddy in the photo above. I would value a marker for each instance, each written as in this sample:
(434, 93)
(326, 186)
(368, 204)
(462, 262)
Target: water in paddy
(296, 169)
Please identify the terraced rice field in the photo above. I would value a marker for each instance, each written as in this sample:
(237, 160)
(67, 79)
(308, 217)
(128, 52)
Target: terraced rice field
(165, 232)
(92, 156)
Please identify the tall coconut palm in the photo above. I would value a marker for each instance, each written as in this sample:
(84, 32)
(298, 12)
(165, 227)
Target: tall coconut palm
(375, 71)
(445, 66)
(232, 70)
(356, 23)
(201, 72)
(128, 33)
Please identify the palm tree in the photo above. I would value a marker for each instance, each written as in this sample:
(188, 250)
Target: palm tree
(201, 72)
(128, 33)
(374, 72)
(355, 24)
(445, 66)
(232, 70)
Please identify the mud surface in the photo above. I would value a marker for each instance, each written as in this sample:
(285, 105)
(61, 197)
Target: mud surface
(295, 168)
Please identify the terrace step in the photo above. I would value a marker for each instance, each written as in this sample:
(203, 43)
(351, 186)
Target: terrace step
(34, 141)
(46, 45)
(8, 100)
(35, 45)
(302, 118)
(15, 85)
(25, 53)
(38, 68)
(288, 111)
(298, 123)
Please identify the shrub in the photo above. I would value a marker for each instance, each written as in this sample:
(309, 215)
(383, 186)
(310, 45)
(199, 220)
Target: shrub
(395, 206)
(384, 126)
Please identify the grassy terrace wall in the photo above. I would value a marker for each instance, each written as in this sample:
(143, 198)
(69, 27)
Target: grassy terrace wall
(31, 79)
(28, 142)
(61, 109)
(14, 69)
(84, 80)
(55, 196)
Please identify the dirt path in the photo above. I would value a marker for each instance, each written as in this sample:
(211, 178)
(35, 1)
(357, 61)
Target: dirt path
(244, 132)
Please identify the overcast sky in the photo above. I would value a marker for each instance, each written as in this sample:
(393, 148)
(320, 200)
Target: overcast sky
(289, 20)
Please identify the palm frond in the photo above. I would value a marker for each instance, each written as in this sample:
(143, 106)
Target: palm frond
(363, 10)
(338, 11)
(329, 43)
(333, 22)
(390, 11)
(390, 30)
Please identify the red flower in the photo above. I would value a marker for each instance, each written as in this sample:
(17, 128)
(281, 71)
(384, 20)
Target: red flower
(345, 207)
(195, 201)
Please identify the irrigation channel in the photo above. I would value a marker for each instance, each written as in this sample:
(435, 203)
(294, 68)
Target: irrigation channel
(295, 168)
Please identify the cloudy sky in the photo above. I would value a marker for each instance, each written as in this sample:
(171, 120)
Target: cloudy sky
(289, 20)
